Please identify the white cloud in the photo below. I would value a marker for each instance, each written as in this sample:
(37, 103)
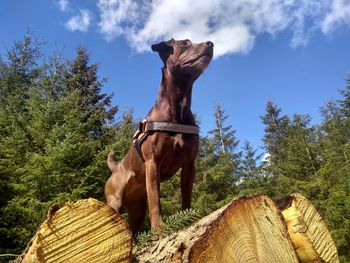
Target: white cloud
(233, 26)
(80, 22)
(339, 14)
(114, 14)
(63, 5)
(306, 20)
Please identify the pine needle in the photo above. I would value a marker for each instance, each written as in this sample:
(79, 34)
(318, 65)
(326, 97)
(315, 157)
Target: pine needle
(173, 223)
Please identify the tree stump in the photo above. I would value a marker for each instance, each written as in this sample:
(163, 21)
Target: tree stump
(249, 229)
(85, 231)
(308, 232)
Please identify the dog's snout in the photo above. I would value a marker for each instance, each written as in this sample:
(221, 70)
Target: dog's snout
(209, 44)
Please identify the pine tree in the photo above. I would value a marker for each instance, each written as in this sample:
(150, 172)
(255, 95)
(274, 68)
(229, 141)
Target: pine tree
(81, 80)
(250, 159)
(345, 102)
(54, 144)
(81, 129)
(224, 137)
(275, 130)
(251, 173)
(333, 195)
(20, 72)
(124, 130)
(218, 165)
(299, 150)
(276, 184)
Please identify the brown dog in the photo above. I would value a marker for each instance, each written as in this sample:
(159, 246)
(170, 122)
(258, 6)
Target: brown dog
(135, 180)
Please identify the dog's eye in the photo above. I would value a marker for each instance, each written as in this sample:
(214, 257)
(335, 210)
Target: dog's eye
(184, 43)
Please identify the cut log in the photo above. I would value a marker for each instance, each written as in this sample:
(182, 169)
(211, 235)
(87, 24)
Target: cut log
(85, 231)
(308, 232)
(249, 229)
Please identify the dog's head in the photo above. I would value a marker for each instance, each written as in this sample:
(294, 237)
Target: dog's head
(184, 58)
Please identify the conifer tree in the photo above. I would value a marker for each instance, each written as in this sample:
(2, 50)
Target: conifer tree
(275, 129)
(81, 129)
(224, 137)
(55, 127)
(81, 81)
(124, 130)
(218, 165)
(300, 150)
(345, 102)
(251, 175)
(20, 73)
(333, 181)
(250, 160)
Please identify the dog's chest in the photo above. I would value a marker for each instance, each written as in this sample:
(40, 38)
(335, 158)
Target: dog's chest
(172, 149)
(178, 141)
(178, 149)
(181, 144)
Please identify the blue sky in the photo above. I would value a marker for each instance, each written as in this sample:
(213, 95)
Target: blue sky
(293, 52)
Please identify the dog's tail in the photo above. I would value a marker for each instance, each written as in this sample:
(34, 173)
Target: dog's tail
(110, 161)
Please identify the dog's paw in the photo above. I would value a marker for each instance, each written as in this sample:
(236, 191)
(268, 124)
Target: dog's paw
(158, 234)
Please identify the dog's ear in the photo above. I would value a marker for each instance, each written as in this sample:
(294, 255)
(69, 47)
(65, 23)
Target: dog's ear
(164, 49)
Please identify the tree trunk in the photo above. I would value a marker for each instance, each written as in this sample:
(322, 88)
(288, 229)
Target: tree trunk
(85, 231)
(249, 229)
(308, 232)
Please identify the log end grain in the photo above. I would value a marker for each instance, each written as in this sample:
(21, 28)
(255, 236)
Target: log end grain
(308, 231)
(85, 231)
(249, 230)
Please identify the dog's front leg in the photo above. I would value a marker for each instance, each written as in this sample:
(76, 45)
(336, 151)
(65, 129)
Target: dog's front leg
(152, 187)
(187, 178)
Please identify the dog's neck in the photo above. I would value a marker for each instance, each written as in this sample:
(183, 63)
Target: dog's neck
(173, 103)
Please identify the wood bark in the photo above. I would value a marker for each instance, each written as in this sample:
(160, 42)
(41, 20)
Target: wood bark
(308, 232)
(249, 229)
(85, 231)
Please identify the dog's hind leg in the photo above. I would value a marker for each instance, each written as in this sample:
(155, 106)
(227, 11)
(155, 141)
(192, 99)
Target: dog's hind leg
(136, 214)
(114, 192)
(115, 185)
